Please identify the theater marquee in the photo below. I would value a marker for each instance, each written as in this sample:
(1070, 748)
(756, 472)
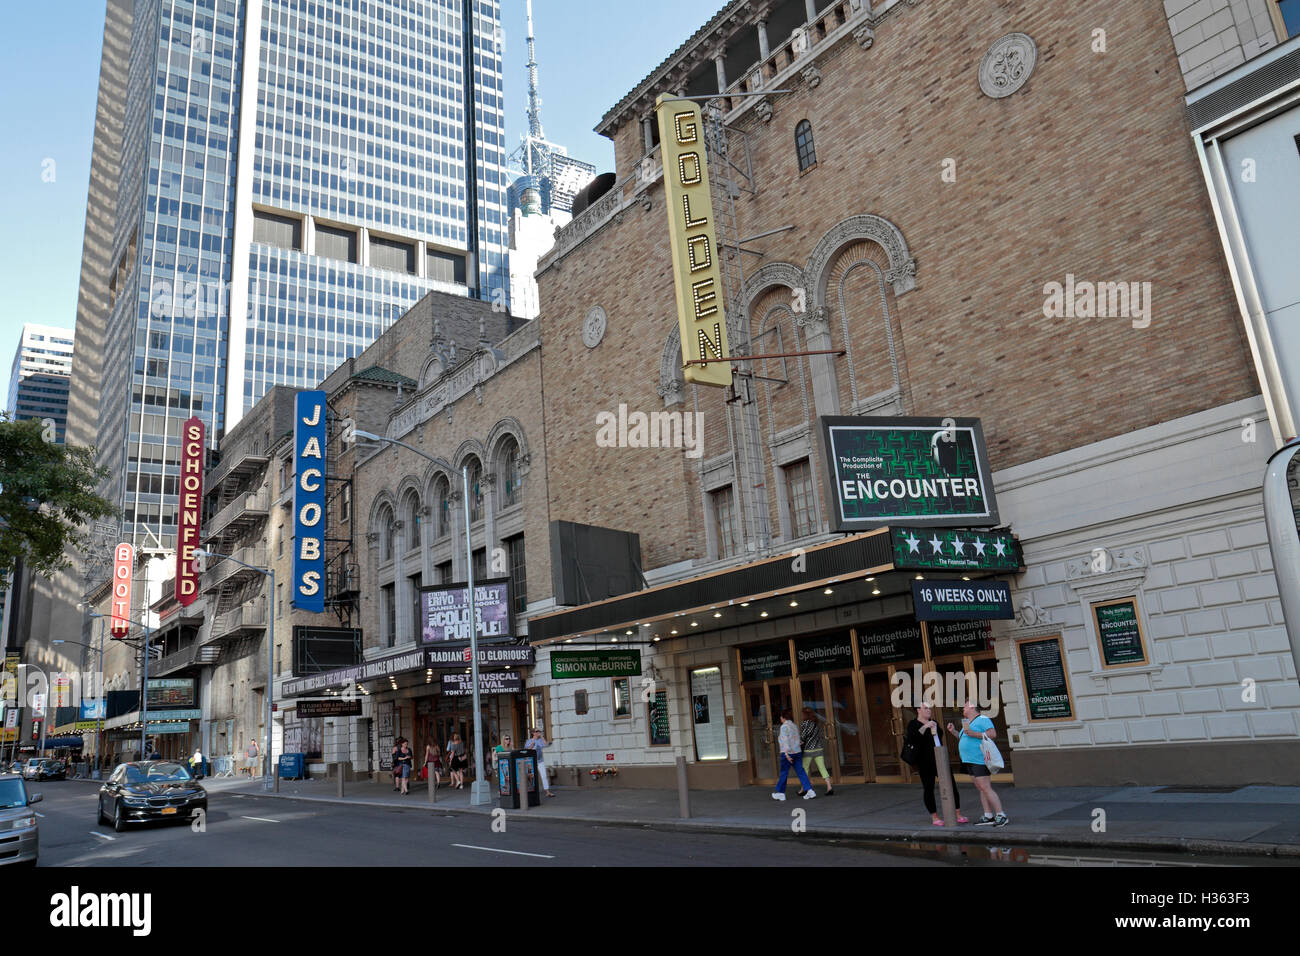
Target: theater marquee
(908, 471)
(701, 311)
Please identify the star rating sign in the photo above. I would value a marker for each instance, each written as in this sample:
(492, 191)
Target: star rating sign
(980, 546)
(959, 546)
(1001, 548)
(936, 545)
(913, 544)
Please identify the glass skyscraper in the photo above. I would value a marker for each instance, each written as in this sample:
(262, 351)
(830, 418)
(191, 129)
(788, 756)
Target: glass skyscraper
(295, 174)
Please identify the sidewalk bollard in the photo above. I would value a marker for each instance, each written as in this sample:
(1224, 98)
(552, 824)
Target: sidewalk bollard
(433, 788)
(946, 788)
(276, 771)
(683, 790)
(338, 769)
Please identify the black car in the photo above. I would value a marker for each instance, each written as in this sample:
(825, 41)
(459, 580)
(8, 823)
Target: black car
(150, 790)
(45, 768)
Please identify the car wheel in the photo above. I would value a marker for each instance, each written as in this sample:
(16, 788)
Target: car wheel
(99, 812)
(119, 823)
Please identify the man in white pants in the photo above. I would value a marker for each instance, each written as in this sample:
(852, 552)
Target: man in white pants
(539, 743)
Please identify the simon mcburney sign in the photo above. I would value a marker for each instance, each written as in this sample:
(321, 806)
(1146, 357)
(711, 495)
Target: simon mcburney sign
(701, 312)
(903, 471)
(309, 503)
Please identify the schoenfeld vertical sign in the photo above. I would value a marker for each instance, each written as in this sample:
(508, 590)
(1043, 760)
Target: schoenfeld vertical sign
(191, 510)
(701, 313)
(309, 503)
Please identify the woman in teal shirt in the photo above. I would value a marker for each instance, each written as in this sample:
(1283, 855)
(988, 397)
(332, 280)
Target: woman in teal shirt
(975, 725)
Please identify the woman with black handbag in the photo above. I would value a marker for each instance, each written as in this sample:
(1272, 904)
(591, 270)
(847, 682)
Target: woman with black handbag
(919, 742)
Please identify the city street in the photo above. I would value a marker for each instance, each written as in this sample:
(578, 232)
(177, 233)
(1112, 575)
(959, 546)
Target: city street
(249, 830)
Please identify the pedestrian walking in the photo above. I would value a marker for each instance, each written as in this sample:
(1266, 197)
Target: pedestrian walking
(791, 756)
(456, 754)
(922, 737)
(402, 764)
(196, 764)
(251, 753)
(812, 738)
(539, 743)
(433, 762)
(392, 762)
(975, 727)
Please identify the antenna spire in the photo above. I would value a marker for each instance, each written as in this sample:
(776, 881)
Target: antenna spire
(534, 94)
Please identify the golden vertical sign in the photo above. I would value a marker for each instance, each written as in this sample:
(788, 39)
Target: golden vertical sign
(701, 311)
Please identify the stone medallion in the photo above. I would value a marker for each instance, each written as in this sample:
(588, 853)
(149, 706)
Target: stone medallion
(593, 327)
(1007, 65)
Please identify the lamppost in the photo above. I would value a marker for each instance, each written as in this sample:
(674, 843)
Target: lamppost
(144, 679)
(99, 710)
(267, 783)
(479, 794)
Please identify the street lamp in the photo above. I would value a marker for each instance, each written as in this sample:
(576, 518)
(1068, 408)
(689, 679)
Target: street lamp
(267, 783)
(478, 793)
(144, 679)
(99, 711)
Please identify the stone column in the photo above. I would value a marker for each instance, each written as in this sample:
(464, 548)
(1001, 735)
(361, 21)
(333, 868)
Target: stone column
(402, 615)
(817, 337)
(720, 61)
(764, 48)
(489, 517)
(459, 570)
(647, 133)
(810, 7)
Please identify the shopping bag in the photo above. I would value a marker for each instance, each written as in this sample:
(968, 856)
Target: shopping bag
(992, 756)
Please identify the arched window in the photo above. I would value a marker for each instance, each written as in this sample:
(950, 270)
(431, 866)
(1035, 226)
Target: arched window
(508, 472)
(387, 535)
(475, 491)
(803, 142)
(411, 515)
(442, 502)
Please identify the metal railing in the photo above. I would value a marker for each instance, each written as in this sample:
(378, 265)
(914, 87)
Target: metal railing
(250, 615)
(222, 571)
(253, 504)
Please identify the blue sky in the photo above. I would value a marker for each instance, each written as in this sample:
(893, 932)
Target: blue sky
(591, 54)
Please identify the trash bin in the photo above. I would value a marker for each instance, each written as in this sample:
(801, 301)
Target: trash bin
(517, 776)
(293, 766)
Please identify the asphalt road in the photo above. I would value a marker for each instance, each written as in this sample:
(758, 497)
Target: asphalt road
(268, 831)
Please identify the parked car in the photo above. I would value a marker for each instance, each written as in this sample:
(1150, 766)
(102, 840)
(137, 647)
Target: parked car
(45, 768)
(19, 832)
(148, 790)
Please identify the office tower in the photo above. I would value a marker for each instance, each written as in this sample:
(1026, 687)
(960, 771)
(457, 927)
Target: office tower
(294, 176)
(38, 381)
(541, 199)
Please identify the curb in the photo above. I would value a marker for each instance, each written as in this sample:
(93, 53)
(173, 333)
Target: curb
(999, 838)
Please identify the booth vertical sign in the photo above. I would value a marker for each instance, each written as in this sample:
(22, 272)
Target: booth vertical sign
(701, 312)
(123, 569)
(309, 503)
(191, 511)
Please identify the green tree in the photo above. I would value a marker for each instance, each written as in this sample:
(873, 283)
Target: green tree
(47, 494)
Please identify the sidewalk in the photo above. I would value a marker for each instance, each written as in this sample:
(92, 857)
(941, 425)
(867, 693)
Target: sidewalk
(1252, 821)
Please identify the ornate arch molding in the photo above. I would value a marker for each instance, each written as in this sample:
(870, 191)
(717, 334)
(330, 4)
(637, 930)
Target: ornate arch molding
(467, 448)
(672, 384)
(772, 274)
(432, 473)
(511, 427)
(410, 486)
(902, 266)
(383, 502)
(434, 369)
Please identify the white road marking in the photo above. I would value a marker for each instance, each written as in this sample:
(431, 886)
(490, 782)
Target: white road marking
(102, 836)
(260, 819)
(489, 849)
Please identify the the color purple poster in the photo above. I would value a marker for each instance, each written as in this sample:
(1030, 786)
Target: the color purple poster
(445, 612)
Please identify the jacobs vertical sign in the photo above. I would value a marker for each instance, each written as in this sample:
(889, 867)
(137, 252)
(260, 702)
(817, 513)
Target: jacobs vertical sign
(191, 511)
(309, 503)
(701, 312)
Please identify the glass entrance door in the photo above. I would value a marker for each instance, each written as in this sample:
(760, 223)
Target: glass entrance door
(846, 727)
(886, 730)
(762, 735)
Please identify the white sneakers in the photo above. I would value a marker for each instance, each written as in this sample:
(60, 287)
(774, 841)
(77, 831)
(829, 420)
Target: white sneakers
(778, 796)
(810, 794)
(807, 796)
